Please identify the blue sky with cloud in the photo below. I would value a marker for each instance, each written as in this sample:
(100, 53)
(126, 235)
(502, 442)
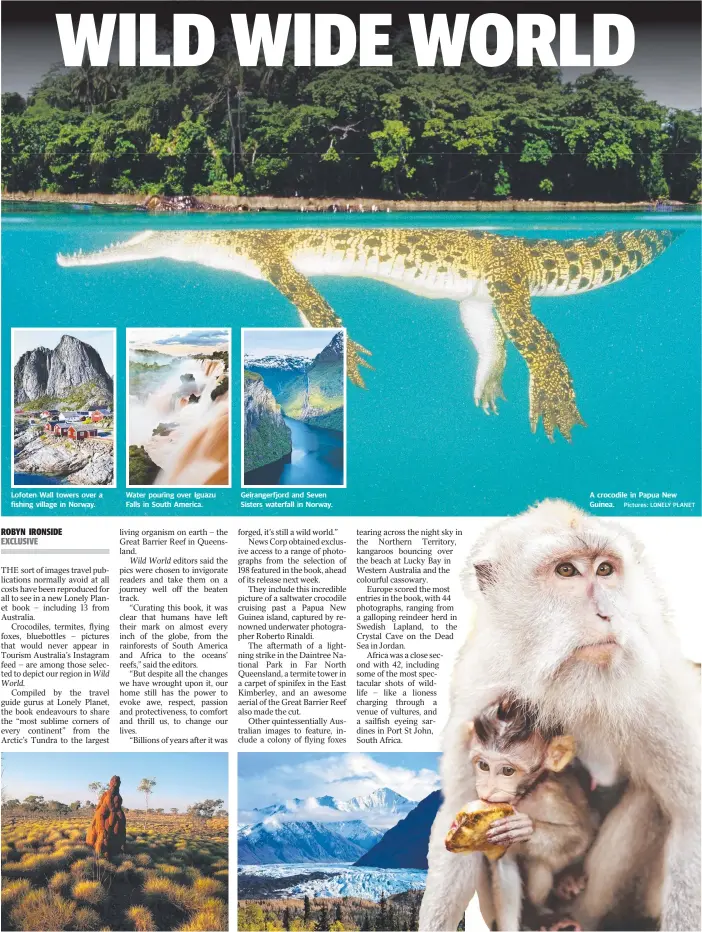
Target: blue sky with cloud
(181, 778)
(101, 340)
(183, 336)
(265, 778)
(282, 341)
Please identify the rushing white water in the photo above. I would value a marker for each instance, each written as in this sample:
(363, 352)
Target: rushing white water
(195, 449)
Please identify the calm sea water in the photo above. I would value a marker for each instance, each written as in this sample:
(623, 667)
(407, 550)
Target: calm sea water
(416, 443)
(31, 478)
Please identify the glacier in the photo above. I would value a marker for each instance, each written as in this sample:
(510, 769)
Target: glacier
(341, 880)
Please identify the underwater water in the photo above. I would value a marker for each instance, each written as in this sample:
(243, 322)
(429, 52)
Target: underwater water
(416, 442)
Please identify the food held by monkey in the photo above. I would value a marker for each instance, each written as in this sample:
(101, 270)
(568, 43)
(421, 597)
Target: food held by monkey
(470, 829)
(547, 824)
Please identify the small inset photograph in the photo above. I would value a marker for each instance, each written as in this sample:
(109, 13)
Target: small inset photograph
(114, 841)
(334, 841)
(294, 407)
(63, 407)
(179, 411)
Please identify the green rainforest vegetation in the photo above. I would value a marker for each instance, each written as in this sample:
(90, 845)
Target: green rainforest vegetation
(399, 132)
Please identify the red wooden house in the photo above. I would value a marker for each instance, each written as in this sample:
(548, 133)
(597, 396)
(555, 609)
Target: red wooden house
(76, 432)
(61, 430)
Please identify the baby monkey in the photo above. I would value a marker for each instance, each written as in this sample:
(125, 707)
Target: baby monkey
(515, 762)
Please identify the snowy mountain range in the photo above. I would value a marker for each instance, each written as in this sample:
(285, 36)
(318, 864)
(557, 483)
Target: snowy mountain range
(274, 841)
(383, 799)
(277, 362)
(277, 372)
(315, 829)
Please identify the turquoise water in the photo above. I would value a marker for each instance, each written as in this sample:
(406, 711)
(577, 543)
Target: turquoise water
(416, 443)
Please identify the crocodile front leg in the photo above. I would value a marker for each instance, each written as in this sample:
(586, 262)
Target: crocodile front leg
(551, 394)
(312, 308)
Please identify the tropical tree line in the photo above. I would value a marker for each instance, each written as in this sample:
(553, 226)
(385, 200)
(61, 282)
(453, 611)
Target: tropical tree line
(402, 132)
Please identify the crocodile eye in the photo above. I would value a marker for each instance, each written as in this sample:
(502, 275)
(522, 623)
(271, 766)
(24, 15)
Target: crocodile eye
(605, 569)
(566, 570)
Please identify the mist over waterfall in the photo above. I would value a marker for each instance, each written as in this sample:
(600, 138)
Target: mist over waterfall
(179, 413)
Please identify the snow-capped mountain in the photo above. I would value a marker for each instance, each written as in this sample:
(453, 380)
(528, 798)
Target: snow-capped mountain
(384, 800)
(275, 841)
(277, 372)
(319, 828)
(367, 836)
(277, 362)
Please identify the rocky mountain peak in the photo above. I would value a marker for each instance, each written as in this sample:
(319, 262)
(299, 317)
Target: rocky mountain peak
(333, 351)
(41, 372)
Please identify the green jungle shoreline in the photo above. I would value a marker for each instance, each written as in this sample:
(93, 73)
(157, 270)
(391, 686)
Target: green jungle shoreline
(235, 204)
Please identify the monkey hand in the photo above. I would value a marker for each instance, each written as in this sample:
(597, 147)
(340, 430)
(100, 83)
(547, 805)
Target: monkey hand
(511, 830)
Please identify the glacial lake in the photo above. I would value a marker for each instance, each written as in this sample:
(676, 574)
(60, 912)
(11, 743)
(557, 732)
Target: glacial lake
(317, 458)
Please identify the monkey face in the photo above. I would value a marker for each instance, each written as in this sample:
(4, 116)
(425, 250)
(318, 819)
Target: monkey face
(565, 594)
(505, 775)
(498, 776)
(584, 581)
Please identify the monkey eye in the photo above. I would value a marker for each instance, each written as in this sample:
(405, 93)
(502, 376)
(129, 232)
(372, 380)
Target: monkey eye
(567, 570)
(508, 771)
(483, 765)
(605, 569)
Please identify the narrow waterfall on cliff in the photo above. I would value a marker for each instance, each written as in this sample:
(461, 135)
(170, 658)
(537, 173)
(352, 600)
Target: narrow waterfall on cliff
(179, 414)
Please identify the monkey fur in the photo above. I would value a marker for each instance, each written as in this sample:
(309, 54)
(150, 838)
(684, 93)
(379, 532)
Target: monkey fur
(552, 826)
(595, 651)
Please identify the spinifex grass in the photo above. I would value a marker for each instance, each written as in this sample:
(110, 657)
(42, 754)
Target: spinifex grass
(172, 876)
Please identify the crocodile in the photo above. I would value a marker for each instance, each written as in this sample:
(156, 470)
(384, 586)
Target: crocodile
(492, 278)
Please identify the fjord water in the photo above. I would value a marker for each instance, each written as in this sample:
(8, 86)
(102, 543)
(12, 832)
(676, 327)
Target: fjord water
(416, 443)
(317, 458)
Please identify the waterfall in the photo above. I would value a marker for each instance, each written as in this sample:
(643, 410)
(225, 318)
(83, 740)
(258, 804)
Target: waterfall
(192, 447)
(203, 456)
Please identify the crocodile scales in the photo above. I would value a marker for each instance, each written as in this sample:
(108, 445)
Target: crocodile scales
(492, 277)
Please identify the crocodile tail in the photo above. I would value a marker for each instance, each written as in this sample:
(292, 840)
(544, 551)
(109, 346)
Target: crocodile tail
(570, 266)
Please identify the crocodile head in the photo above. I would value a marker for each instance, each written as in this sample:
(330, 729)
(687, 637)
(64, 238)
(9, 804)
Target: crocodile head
(146, 245)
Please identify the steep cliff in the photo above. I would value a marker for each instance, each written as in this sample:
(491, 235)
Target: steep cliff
(73, 372)
(407, 843)
(317, 395)
(32, 374)
(267, 437)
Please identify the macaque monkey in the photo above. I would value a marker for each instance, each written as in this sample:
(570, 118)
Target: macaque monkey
(553, 827)
(570, 620)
